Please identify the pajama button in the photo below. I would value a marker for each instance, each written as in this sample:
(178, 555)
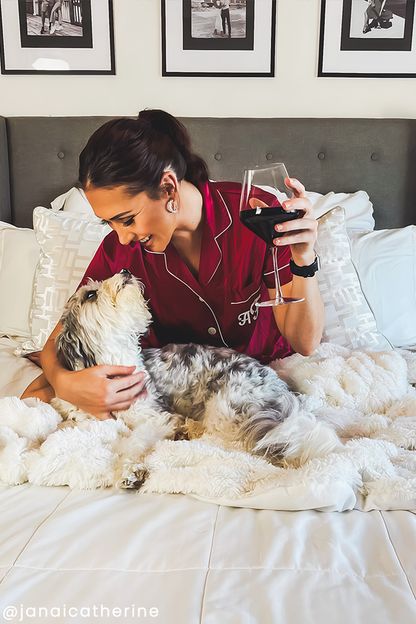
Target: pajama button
(212, 331)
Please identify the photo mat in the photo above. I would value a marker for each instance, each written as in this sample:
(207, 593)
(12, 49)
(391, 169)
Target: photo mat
(200, 21)
(73, 19)
(393, 32)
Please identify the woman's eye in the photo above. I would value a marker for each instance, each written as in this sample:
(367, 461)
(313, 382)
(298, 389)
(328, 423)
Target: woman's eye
(128, 222)
(104, 222)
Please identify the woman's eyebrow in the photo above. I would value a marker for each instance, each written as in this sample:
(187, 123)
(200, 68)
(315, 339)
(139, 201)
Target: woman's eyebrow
(119, 216)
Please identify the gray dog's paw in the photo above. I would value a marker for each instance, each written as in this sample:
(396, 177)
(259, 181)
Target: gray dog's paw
(135, 479)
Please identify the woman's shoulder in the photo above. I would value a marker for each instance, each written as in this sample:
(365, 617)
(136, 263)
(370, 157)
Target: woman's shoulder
(229, 192)
(226, 187)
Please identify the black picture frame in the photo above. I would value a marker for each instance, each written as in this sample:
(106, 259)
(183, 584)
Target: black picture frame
(189, 47)
(355, 43)
(83, 43)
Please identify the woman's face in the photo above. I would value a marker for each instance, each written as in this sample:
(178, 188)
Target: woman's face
(135, 219)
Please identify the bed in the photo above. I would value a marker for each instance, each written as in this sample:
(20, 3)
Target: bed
(284, 555)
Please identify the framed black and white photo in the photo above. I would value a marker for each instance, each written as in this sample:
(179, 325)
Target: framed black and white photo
(229, 38)
(57, 37)
(367, 38)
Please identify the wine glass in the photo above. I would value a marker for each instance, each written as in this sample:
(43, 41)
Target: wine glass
(262, 194)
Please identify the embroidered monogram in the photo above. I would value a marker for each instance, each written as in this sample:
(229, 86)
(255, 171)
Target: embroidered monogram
(253, 311)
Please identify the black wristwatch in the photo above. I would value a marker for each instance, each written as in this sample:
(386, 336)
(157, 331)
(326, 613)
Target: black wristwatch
(305, 271)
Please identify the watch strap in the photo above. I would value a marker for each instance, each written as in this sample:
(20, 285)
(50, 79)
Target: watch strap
(305, 271)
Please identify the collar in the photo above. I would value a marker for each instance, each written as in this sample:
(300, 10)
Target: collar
(217, 221)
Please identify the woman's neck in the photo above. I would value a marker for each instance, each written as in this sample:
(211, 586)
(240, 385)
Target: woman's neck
(187, 237)
(190, 214)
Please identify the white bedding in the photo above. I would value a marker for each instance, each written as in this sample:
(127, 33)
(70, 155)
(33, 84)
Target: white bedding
(15, 373)
(356, 437)
(195, 561)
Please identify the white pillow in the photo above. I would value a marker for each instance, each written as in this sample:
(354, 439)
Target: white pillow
(386, 264)
(68, 243)
(74, 200)
(358, 208)
(19, 255)
(349, 321)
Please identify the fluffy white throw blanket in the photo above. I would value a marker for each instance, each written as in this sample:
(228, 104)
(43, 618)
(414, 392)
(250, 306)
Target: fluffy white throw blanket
(362, 403)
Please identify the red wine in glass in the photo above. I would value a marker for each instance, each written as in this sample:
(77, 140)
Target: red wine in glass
(262, 194)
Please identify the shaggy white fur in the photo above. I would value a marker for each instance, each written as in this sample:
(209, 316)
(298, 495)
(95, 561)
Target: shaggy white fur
(363, 402)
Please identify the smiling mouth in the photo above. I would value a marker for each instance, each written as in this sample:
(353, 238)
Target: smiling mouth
(144, 240)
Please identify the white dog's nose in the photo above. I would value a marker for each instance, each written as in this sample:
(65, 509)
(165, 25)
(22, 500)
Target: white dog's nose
(125, 272)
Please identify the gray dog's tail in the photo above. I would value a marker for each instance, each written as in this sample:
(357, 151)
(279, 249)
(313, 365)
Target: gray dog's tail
(288, 432)
(262, 429)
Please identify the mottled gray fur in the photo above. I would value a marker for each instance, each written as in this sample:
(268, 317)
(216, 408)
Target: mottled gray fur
(226, 392)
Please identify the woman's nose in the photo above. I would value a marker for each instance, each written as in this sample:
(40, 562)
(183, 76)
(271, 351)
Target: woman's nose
(125, 237)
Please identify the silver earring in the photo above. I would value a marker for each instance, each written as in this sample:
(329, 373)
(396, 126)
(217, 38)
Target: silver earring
(172, 206)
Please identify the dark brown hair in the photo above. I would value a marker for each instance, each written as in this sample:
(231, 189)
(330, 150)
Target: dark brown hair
(134, 153)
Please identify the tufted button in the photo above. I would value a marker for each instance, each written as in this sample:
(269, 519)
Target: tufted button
(217, 156)
(374, 156)
(212, 331)
(61, 155)
(269, 156)
(321, 155)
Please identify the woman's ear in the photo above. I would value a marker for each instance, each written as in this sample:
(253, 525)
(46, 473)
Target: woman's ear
(170, 183)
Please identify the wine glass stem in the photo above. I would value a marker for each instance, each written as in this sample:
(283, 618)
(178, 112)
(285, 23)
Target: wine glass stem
(276, 274)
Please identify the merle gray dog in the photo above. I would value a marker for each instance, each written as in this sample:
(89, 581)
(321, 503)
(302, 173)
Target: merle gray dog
(204, 389)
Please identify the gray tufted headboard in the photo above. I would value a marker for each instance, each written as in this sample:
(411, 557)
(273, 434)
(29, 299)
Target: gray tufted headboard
(38, 155)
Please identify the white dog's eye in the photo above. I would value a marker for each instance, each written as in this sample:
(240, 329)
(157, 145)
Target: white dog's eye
(92, 294)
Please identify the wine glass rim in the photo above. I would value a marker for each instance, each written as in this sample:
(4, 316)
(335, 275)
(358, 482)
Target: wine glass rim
(266, 167)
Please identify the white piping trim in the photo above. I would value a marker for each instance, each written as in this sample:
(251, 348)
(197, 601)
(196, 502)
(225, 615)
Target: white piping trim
(157, 253)
(245, 300)
(200, 298)
(215, 237)
(279, 269)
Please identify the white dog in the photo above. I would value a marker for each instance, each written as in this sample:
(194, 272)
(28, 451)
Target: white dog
(203, 389)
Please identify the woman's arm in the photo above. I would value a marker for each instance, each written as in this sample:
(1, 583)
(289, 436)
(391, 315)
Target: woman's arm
(98, 390)
(300, 323)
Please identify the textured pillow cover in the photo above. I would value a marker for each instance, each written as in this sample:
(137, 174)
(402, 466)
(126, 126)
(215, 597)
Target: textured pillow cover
(19, 255)
(358, 208)
(68, 243)
(349, 321)
(386, 263)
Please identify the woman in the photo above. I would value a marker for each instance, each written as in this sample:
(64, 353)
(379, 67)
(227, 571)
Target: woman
(218, 22)
(201, 268)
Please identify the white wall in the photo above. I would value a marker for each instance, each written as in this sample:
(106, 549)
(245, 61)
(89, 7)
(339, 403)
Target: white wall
(295, 92)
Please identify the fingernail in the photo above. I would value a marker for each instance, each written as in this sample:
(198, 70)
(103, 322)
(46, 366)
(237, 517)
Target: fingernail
(278, 227)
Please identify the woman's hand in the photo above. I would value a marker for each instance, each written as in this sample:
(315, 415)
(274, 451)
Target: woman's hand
(300, 233)
(100, 390)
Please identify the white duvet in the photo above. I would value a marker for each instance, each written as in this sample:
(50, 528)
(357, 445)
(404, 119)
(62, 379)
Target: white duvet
(365, 397)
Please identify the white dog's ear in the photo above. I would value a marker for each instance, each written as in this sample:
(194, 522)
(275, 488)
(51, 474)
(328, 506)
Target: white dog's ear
(69, 342)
